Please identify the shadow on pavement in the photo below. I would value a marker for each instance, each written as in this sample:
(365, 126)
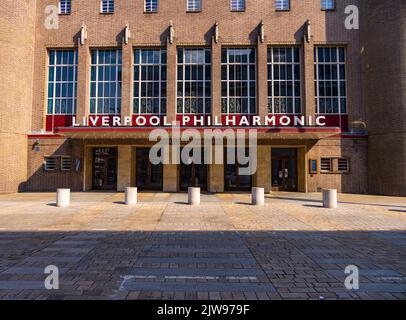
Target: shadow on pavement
(203, 264)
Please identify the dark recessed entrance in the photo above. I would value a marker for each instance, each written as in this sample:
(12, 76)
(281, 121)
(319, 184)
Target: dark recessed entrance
(284, 169)
(233, 180)
(105, 168)
(193, 175)
(149, 176)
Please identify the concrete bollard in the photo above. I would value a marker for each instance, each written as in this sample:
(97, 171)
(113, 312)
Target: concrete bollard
(330, 198)
(62, 197)
(193, 196)
(131, 196)
(257, 196)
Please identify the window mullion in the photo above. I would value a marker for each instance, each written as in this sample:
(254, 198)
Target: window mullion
(116, 84)
(228, 81)
(338, 81)
(160, 81)
(316, 66)
(248, 82)
(140, 84)
(54, 85)
(204, 82)
(73, 84)
(293, 81)
(273, 81)
(96, 110)
(184, 81)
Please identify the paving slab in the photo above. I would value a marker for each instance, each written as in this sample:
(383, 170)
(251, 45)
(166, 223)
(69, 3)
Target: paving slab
(162, 248)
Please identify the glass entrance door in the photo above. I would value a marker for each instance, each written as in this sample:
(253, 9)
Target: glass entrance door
(149, 176)
(233, 180)
(284, 169)
(193, 175)
(105, 168)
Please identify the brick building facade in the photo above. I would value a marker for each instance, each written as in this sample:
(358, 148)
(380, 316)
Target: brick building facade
(328, 71)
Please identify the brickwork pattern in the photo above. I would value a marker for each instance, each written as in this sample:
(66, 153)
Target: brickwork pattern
(41, 180)
(17, 25)
(25, 41)
(385, 101)
(281, 28)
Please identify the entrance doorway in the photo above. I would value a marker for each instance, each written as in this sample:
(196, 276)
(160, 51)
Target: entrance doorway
(193, 175)
(105, 168)
(149, 176)
(233, 181)
(284, 169)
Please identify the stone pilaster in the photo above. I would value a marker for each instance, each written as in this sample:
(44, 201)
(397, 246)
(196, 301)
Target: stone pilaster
(83, 95)
(303, 164)
(216, 178)
(262, 78)
(264, 172)
(308, 104)
(124, 167)
(88, 168)
(170, 175)
(127, 80)
(216, 77)
(171, 82)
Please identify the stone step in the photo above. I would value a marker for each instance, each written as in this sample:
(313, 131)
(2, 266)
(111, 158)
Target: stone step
(173, 249)
(22, 285)
(198, 272)
(142, 259)
(132, 285)
(30, 271)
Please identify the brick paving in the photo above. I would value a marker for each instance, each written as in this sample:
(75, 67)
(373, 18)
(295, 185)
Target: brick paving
(224, 249)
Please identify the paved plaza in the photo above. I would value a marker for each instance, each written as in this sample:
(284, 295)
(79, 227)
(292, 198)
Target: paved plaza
(291, 248)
